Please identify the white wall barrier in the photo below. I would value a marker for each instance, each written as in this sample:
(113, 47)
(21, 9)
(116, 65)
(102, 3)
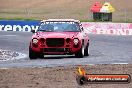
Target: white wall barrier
(108, 28)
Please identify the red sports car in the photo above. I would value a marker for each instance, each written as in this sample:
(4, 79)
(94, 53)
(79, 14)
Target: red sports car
(59, 37)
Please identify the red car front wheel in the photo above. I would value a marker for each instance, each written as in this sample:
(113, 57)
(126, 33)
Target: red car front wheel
(32, 54)
(86, 51)
(80, 53)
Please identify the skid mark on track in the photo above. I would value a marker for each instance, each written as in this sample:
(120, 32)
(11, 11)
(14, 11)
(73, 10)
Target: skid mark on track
(94, 53)
(119, 63)
(6, 55)
(9, 35)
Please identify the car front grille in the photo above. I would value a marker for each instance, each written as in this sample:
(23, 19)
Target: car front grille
(55, 42)
(54, 50)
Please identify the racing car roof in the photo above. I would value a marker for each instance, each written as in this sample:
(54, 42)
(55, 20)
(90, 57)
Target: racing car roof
(61, 20)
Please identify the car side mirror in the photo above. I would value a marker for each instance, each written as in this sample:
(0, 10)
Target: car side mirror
(32, 30)
(82, 29)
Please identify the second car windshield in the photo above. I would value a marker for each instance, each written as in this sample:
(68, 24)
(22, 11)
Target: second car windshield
(59, 26)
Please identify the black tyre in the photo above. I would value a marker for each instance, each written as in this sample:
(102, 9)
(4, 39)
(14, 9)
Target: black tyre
(86, 51)
(32, 54)
(40, 55)
(80, 53)
(81, 80)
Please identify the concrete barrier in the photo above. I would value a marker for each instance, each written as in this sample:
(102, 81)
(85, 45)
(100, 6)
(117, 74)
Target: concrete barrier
(90, 27)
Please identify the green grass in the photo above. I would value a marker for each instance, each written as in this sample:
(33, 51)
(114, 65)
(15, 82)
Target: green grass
(82, 20)
(28, 19)
(38, 19)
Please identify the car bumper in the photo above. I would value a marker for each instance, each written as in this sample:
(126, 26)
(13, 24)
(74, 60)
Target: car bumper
(57, 50)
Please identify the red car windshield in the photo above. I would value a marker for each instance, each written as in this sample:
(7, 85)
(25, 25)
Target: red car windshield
(50, 26)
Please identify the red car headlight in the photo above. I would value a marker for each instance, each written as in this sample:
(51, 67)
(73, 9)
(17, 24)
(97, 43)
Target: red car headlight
(35, 41)
(76, 41)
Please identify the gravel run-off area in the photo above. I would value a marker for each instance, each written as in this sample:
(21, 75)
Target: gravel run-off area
(58, 77)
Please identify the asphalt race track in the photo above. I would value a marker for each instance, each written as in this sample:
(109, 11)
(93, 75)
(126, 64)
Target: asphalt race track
(104, 49)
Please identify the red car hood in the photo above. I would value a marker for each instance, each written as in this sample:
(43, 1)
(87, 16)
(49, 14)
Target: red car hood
(57, 34)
